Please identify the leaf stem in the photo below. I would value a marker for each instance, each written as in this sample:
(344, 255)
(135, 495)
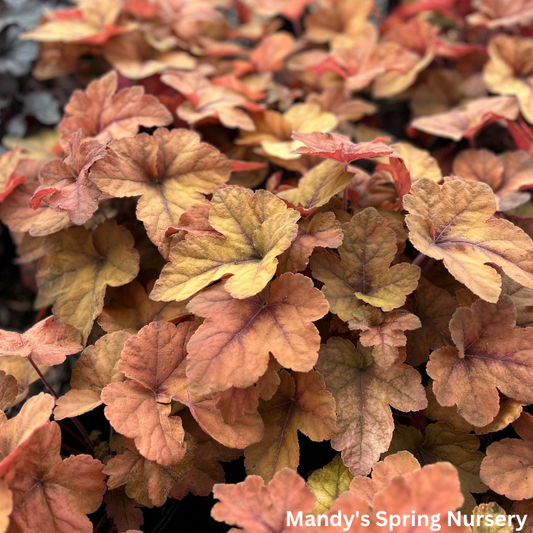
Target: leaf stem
(75, 421)
(84, 433)
(41, 314)
(427, 267)
(100, 523)
(297, 27)
(418, 259)
(62, 425)
(43, 379)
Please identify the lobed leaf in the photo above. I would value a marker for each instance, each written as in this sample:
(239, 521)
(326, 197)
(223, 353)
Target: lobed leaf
(363, 392)
(255, 229)
(231, 348)
(453, 223)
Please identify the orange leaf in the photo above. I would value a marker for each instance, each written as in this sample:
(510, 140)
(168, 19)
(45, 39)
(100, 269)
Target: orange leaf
(256, 508)
(363, 392)
(301, 403)
(51, 495)
(16, 432)
(491, 355)
(169, 170)
(453, 223)
(9, 177)
(66, 184)
(96, 368)
(508, 463)
(47, 343)
(101, 112)
(231, 348)
(139, 408)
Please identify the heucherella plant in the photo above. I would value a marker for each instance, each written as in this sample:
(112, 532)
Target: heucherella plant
(299, 257)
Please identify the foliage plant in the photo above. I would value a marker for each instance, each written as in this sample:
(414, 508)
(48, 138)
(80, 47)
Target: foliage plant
(264, 220)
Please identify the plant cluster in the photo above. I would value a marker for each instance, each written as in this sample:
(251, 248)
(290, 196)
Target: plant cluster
(265, 218)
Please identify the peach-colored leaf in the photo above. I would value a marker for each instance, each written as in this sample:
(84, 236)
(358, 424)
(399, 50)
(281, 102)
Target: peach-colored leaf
(139, 407)
(256, 508)
(205, 100)
(93, 22)
(47, 343)
(234, 402)
(245, 430)
(340, 148)
(501, 13)
(9, 177)
(16, 213)
(491, 355)
(51, 495)
(269, 56)
(363, 392)
(66, 184)
(453, 223)
(144, 481)
(384, 332)
(509, 70)
(16, 432)
(505, 174)
(322, 230)
(101, 112)
(466, 120)
(442, 443)
(507, 467)
(363, 273)
(96, 368)
(231, 348)
(6, 505)
(169, 170)
(398, 464)
(301, 403)
(432, 490)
